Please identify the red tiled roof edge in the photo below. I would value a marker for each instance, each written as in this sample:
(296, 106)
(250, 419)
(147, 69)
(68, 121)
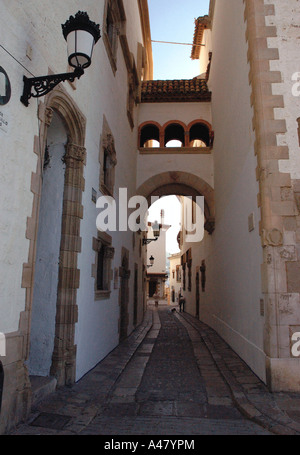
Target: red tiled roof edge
(183, 90)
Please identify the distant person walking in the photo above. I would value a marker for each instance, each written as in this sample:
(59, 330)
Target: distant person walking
(181, 303)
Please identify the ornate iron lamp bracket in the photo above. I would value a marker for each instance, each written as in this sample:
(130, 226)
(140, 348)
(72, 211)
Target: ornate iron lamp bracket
(39, 86)
(147, 241)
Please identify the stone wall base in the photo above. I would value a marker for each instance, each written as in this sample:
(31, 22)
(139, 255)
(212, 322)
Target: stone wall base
(16, 401)
(16, 398)
(283, 374)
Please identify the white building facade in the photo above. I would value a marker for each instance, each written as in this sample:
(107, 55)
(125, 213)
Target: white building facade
(70, 292)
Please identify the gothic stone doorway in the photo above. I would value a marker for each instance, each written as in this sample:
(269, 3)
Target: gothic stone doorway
(48, 250)
(64, 350)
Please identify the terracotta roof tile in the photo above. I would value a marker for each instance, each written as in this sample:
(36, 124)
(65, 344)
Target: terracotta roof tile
(183, 90)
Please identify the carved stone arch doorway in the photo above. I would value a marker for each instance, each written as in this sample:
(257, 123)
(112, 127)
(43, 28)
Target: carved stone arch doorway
(124, 273)
(59, 103)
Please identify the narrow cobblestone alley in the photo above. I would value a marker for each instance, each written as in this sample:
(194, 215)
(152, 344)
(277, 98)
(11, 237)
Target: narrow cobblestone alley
(164, 392)
(161, 381)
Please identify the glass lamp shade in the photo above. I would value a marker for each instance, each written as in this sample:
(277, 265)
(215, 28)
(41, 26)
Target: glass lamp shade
(81, 35)
(80, 48)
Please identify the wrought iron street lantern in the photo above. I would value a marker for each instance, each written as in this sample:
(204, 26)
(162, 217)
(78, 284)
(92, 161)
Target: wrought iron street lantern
(81, 35)
(156, 232)
(151, 259)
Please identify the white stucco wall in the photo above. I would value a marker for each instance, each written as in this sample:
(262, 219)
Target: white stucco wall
(97, 329)
(18, 161)
(232, 304)
(150, 165)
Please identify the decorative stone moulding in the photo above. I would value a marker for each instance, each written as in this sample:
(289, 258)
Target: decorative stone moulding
(75, 152)
(274, 237)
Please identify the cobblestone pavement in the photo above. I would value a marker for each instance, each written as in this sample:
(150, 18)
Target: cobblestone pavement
(172, 376)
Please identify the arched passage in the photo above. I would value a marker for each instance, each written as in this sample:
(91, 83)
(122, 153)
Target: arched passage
(199, 131)
(184, 184)
(148, 132)
(174, 131)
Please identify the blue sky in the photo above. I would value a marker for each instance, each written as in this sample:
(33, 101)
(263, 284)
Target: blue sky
(173, 20)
